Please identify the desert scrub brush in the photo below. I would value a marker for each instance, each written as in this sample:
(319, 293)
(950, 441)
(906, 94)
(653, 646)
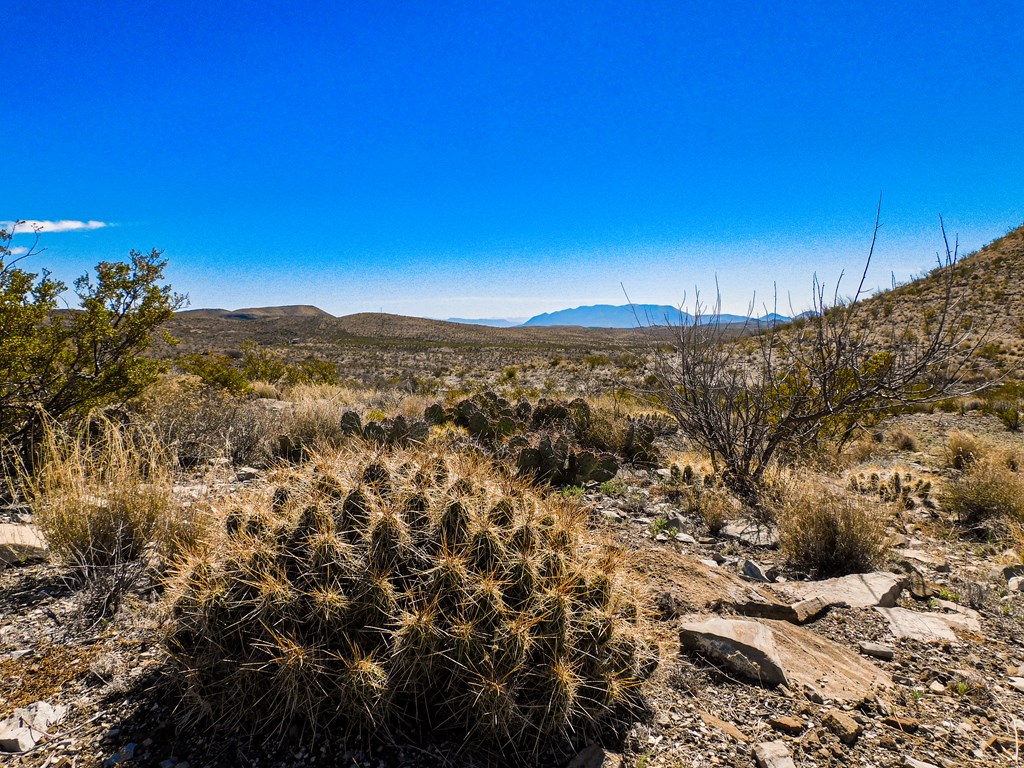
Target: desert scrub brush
(420, 591)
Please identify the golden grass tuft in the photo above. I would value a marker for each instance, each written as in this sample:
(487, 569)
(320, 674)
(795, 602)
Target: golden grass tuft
(105, 495)
(826, 531)
(987, 498)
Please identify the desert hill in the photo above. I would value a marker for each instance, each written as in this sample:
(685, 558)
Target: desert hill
(989, 290)
(252, 313)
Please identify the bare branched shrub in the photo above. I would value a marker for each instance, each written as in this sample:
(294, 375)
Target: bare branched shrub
(104, 500)
(791, 386)
(198, 424)
(826, 531)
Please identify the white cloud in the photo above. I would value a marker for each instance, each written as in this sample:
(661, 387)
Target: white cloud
(64, 225)
(19, 251)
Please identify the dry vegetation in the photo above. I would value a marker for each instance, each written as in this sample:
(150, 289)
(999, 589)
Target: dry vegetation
(394, 557)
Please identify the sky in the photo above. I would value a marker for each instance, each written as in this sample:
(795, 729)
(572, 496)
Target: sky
(497, 159)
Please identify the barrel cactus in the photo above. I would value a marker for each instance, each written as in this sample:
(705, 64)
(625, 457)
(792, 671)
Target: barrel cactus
(418, 591)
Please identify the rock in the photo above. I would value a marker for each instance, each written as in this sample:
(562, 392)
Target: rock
(843, 726)
(723, 726)
(833, 671)
(909, 762)
(20, 544)
(1012, 571)
(752, 534)
(1017, 683)
(23, 730)
(928, 627)
(752, 570)
(791, 726)
(746, 647)
(919, 588)
(245, 474)
(610, 515)
(777, 652)
(773, 754)
(661, 537)
(859, 590)
(920, 556)
(796, 613)
(685, 538)
(126, 754)
(936, 687)
(667, 605)
(876, 650)
(1015, 584)
(904, 724)
(594, 756)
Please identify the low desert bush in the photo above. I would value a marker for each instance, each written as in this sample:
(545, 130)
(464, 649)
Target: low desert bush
(104, 500)
(962, 449)
(988, 498)
(904, 440)
(825, 531)
(198, 424)
(420, 593)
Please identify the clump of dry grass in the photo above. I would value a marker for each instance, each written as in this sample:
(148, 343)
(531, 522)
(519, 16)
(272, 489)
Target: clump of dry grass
(904, 440)
(963, 449)
(826, 531)
(104, 500)
(420, 591)
(987, 498)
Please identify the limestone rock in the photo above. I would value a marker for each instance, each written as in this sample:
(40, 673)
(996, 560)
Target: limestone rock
(791, 726)
(752, 534)
(20, 544)
(859, 590)
(773, 754)
(24, 729)
(746, 647)
(877, 650)
(928, 627)
(723, 726)
(753, 570)
(834, 672)
(909, 762)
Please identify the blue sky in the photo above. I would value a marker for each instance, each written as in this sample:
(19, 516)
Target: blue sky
(503, 159)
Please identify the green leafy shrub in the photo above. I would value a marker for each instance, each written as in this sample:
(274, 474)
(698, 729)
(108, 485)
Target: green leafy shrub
(418, 592)
(61, 365)
(216, 370)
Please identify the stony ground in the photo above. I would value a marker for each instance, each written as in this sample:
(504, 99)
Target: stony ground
(855, 692)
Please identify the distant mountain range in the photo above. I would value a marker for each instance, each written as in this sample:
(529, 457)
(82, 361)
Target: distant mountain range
(597, 316)
(622, 316)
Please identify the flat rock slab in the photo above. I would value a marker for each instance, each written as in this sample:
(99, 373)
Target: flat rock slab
(859, 590)
(745, 647)
(752, 534)
(20, 543)
(813, 661)
(27, 726)
(775, 651)
(796, 613)
(928, 627)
